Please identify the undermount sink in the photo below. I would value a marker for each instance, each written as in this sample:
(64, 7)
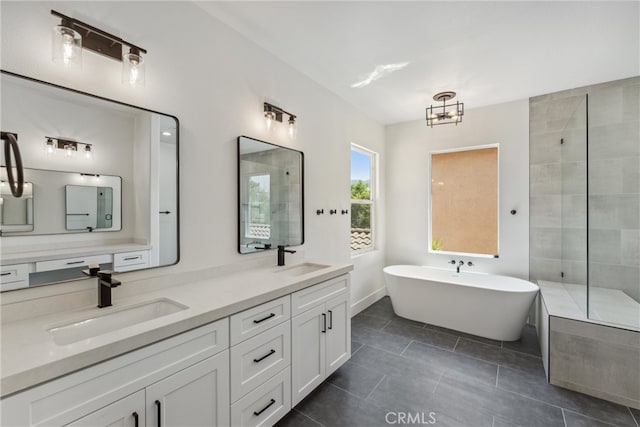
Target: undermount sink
(115, 319)
(300, 269)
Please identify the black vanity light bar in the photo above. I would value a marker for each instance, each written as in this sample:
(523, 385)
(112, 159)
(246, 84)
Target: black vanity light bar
(278, 112)
(97, 40)
(62, 143)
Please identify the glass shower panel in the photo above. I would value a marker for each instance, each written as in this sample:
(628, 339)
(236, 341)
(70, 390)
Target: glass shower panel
(614, 205)
(573, 231)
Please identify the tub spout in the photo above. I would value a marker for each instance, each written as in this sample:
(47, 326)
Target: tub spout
(460, 264)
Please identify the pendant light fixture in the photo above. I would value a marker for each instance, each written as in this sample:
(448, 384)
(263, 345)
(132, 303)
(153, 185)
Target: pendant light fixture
(72, 36)
(446, 113)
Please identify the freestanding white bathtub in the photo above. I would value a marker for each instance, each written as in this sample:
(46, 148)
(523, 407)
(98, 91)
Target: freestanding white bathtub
(486, 305)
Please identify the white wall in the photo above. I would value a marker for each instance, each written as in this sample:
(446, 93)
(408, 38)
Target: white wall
(408, 148)
(215, 82)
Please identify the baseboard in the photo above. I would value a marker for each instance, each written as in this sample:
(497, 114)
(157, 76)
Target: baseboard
(365, 302)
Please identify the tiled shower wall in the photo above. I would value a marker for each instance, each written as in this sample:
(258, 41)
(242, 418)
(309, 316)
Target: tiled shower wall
(558, 186)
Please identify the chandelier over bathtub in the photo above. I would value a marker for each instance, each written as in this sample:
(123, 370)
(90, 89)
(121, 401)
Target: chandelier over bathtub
(446, 113)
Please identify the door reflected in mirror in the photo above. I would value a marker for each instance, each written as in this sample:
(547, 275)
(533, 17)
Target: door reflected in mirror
(88, 207)
(464, 201)
(270, 193)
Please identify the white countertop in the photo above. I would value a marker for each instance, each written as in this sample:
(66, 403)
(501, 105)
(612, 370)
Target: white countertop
(20, 257)
(30, 356)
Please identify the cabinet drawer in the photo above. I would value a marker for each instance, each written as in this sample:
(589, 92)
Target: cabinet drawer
(14, 276)
(77, 262)
(266, 404)
(259, 358)
(318, 294)
(130, 261)
(251, 322)
(72, 396)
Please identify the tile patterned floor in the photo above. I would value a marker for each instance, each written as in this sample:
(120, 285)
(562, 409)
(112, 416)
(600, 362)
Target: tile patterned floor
(441, 377)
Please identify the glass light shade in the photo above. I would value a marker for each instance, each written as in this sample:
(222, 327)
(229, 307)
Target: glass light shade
(69, 150)
(88, 152)
(292, 129)
(50, 147)
(66, 46)
(133, 68)
(269, 117)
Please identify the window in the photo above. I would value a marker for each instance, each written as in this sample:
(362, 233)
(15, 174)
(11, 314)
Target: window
(363, 185)
(259, 207)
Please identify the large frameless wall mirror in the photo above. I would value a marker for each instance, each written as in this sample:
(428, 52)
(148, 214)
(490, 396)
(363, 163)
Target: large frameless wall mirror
(270, 196)
(464, 201)
(102, 184)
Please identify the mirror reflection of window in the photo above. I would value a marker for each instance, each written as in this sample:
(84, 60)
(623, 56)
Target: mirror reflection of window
(464, 201)
(259, 206)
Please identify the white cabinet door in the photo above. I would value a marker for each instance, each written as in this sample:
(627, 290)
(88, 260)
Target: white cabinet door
(195, 396)
(338, 348)
(307, 352)
(126, 412)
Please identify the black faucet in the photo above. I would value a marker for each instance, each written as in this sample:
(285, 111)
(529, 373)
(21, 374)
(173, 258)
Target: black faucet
(105, 283)
(460, 263)
(281, 251)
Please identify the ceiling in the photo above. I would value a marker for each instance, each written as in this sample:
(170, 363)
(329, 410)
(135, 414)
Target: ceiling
(487, 52)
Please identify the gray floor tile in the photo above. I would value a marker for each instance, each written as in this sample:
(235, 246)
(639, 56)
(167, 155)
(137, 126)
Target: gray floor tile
(636, 414)
(454, 363)
(528, 342)
(577, 420)
(486, 399)
(331, 406)
(379, 339)
(464, 335)
(373, 322)
(381, 308)
(536, 387)
(394, 365)
(355, 346)
(499, 422)
(296, 419)
(500, 356)
(427, 336)
(415, 396)
(355, 379)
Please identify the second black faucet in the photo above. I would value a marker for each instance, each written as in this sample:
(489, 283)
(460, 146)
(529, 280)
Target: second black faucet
(281, 251)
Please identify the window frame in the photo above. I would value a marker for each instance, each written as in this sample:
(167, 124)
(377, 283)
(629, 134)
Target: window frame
(373, 197)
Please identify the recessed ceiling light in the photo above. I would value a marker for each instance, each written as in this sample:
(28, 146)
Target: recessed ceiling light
(166, 133)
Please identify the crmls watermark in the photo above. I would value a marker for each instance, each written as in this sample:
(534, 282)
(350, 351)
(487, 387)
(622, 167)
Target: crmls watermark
(412, 418)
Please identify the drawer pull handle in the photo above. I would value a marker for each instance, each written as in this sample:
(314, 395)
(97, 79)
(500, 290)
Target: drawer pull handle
(330, 319)
(260, 359)
(157, 402)
(131, 258)
(257, 413)
(135, 419)
(75, 262)
(324, 323)
(7, 273)
(264, 318)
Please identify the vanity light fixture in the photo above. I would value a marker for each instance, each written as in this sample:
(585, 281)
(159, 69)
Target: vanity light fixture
(446, 113)
(52, 145)
(72, 36)
(271, 113)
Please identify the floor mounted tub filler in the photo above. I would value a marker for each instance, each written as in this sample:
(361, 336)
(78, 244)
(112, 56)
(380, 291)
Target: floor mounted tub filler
(485, 305)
